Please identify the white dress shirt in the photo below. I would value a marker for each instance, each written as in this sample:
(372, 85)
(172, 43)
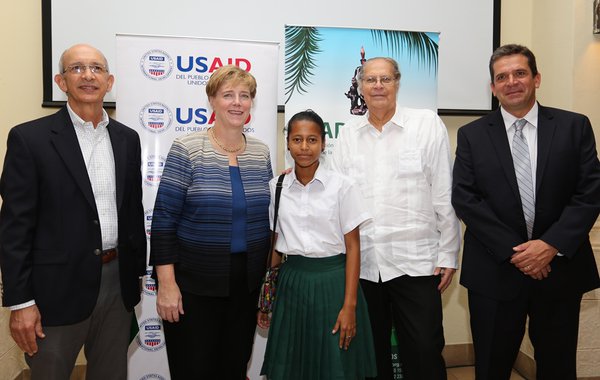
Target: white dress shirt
(405, 174)
(314, 218)
(100, 163)
(530, 132)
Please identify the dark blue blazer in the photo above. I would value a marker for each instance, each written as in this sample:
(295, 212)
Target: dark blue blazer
(486, 198)
(49, 225)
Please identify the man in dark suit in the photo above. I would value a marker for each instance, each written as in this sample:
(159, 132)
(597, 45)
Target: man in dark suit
(526, 252)
(72, 241)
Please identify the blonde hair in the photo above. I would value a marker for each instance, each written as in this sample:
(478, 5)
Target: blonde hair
(230, 73)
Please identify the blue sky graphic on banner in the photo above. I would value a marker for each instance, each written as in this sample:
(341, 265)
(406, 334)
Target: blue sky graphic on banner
(328, 57)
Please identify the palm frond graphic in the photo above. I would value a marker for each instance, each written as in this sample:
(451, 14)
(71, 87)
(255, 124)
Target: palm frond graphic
(418, 44)
(302, 45)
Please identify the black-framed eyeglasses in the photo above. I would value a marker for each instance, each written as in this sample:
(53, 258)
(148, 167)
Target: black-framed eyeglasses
(80, 69)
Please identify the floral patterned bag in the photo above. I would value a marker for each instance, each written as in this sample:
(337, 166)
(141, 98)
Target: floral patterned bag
(269, 286)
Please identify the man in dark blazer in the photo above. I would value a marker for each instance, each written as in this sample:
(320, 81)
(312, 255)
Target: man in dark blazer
(72, 240)
(521, 262)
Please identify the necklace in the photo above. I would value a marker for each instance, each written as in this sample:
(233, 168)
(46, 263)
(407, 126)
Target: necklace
(228, 150)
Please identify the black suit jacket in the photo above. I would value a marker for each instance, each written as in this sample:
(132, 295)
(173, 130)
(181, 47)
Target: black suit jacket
(49, 225)
(485, 195)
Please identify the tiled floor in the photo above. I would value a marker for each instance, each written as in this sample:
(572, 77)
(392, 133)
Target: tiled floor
(468, 373)
(456, 373)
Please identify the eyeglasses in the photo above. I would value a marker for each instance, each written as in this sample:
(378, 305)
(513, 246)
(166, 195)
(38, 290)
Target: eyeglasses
(80, 69)
(385, 80)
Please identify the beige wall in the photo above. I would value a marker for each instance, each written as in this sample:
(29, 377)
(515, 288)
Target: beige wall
(568, 59)
(558, 31)
(21, 68)
(20, 100)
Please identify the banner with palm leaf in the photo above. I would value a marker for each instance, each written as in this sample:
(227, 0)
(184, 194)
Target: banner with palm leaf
(321, 64)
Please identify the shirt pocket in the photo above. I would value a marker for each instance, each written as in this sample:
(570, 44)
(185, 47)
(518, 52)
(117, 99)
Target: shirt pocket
(409, 164)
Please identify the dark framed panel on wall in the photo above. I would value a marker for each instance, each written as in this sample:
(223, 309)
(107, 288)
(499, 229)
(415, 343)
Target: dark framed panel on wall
(469, 31)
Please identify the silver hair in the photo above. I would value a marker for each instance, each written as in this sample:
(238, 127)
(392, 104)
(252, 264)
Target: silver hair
(391, 61)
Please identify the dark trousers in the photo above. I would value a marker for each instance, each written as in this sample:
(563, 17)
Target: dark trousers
(498, 328)
(104, 336)
(414, 306)
(213, 339)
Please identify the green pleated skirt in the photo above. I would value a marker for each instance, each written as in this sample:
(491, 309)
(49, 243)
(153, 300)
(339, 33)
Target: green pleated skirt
(310, 295)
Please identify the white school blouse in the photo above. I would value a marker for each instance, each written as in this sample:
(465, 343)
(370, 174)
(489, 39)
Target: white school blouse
(313, 219)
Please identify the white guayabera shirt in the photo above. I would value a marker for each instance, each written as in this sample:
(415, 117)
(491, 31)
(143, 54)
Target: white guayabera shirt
(405, 175)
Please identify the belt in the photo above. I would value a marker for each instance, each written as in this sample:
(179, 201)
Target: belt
(109, 255)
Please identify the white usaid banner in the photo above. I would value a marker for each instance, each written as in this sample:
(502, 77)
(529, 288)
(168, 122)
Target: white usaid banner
(161, 94)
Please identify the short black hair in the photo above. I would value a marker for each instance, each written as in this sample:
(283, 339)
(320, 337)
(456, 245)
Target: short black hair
(512, 49)
(309, 115)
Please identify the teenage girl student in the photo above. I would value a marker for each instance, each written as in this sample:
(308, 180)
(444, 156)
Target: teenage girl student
(319, 328)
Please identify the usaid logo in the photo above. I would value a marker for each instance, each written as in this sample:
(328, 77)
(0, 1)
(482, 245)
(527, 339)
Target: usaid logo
(149, 283)
(154, 168)
(156, 117)
(150, 337)
(156, 65)
(152, 376)
(148, 221)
